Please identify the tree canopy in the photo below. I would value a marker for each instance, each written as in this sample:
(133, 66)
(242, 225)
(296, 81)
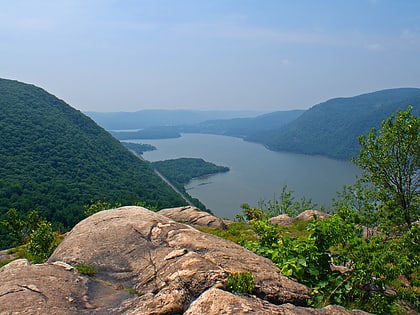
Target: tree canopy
(54, 159)
(390, 159)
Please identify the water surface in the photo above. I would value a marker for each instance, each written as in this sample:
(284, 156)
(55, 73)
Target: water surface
(256, 173)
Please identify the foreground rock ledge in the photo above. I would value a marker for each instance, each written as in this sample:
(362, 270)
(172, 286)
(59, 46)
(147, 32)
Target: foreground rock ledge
(171, 266)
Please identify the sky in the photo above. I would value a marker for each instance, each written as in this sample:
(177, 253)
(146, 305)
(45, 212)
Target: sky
(265, 55)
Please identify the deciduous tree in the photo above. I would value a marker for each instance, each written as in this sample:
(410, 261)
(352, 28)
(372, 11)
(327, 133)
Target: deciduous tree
(390, 159)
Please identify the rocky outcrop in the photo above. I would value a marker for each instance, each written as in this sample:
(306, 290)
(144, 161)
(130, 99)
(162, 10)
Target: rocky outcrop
(282, 219)
(311, 214)
(193, 216)
(41, 289)
(216, 301)
(146, 263)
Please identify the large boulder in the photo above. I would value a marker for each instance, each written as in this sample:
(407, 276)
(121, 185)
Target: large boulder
(41, 289)
(145, 263)
(193, 216)
(312, 214)
(282, 219)
(216, 301)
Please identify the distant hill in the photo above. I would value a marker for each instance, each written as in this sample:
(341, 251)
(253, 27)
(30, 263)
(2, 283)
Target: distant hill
(242, 127)
(55, 159)
(235, 127)
(151, 118)
(331, 128)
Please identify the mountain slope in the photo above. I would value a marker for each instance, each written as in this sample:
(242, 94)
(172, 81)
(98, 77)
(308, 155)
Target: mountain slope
(242, 127)
(55, 159)
(331, 128)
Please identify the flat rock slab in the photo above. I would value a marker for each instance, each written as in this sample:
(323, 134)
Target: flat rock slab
(311, 214)
(215, 301)
(167, 267)
(193, 216)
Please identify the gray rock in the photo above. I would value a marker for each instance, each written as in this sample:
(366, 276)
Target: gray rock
(311, 214)
(193, 216)
(41, 289)
(282, 219)
(215, 301)
(171, 267)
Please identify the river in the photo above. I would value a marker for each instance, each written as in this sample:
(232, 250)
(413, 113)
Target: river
(256, 173)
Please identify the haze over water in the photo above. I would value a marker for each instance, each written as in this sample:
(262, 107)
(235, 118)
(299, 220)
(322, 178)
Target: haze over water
(256, 173)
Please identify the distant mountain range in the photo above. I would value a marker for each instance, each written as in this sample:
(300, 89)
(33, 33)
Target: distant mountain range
(152, 118)
(330, 128)
(54, 159)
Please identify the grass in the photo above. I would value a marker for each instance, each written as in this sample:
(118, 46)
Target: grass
(297, 229)
(85, 269)
(235, 232)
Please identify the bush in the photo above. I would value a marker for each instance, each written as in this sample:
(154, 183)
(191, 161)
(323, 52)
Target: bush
(42, 243)
(85, 269)
(241, 282)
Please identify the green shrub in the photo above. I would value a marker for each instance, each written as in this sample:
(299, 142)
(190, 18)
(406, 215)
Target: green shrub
(85, 269)
(99, 205)
(241, 282)
(42, 243)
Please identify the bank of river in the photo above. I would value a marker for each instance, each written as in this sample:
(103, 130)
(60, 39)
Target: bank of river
(255, 173)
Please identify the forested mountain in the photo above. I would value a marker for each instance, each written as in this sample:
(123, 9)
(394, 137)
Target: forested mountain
(54, 159)
(151, 118)
(332, 128)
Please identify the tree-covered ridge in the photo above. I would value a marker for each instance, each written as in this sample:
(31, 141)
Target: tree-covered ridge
(138, 148)
(180, 171)
(55, 159)
(331, 128)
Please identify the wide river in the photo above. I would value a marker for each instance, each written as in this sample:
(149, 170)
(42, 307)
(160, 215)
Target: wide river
(256, 174)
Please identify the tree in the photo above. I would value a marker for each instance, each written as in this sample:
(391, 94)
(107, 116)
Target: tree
(390, 160)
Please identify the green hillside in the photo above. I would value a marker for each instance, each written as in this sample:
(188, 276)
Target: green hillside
(54, 159)
(331, 128)
(242, 127)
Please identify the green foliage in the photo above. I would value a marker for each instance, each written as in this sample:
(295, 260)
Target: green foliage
(286, 203)
(147, 206)
(138, 148)
(180, 171)
(97, 206)
(85, 269)
(133, 291)
(331, 128)
(236, 232)
(42, 243)
(371, 266)
(391, 162)
(55, 159)
(241, 282)
(19, 227)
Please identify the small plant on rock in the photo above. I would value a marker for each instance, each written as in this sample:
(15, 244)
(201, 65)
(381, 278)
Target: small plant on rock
(241, 282)
(85, 269)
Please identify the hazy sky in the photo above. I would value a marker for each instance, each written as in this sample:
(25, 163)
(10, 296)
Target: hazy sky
(112, 55)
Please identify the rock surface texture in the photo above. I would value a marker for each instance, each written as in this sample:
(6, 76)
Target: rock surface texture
(193, 216)
(311, 214)
(147, 263)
